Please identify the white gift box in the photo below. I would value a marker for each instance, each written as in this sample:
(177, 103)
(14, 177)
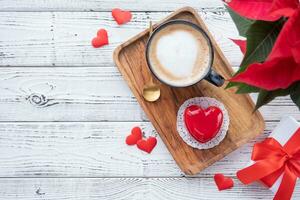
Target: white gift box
(282, 133)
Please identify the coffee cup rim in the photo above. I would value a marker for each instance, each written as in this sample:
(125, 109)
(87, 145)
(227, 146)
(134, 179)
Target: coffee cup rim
(195, 26)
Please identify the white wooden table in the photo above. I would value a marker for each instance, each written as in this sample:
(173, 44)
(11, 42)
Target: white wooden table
(65, 110)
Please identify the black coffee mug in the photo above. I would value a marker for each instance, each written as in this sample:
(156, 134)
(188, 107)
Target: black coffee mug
(211, 76)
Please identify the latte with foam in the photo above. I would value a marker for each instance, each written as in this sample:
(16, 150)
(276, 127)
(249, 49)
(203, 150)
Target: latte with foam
(179, 55)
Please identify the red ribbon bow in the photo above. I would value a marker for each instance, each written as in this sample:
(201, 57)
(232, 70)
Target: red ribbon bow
(273, 160)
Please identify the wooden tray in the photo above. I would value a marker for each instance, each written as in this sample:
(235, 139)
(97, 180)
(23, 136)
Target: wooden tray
(244, 124)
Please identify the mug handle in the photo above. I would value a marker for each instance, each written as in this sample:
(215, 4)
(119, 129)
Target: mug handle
(215, 78)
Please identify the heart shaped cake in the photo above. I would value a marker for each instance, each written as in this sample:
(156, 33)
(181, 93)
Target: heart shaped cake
(203, 124)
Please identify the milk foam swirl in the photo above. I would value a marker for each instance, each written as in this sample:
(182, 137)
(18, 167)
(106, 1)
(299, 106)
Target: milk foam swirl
(179, 55)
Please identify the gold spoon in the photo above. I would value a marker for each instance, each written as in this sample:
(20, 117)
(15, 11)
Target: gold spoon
(151, 91)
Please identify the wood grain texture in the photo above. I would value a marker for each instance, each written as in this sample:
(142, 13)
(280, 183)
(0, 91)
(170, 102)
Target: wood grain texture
(244, 123)
(83, 94)
(63, 38)
(95, 150)
(127, 188)
(104, 5)
(87, 87)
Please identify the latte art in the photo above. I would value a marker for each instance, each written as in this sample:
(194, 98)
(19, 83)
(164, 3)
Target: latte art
(179, 55)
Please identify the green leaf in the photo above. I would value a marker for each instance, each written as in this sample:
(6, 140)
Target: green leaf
(265, 96)
(244, 88)
(295, 94)
(241, 23)
(261, 37)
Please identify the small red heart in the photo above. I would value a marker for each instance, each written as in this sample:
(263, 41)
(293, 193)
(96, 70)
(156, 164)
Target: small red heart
(223, 182)
(101, 39)
(147, 145)
(203, 124)
(121, 16)
(136, 135)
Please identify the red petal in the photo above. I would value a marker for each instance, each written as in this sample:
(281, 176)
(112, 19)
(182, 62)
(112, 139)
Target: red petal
(271, 75)
(253, 9)
(296, 52)
(284, 7)
(288, 36)
(242, 44)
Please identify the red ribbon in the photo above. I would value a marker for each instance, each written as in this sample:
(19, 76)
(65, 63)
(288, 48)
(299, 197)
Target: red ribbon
(273, 160)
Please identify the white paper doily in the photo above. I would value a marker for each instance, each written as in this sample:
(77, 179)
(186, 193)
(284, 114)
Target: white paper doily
(203, 102)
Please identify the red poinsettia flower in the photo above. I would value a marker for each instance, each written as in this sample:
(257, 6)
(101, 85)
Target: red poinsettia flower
(267, 10)
(282, 67)
(274, 74)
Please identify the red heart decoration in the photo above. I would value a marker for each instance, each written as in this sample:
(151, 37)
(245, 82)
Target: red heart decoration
(101, 39)
(136, 135)
(223, 182)
(147, 145)
(121, 16)
(203, 124)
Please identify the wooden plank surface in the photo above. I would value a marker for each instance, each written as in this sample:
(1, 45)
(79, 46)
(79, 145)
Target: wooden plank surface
(104, 5)
(63, 38)
(36, 35)
(128, 188)
(95, 149)
(82, 94)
